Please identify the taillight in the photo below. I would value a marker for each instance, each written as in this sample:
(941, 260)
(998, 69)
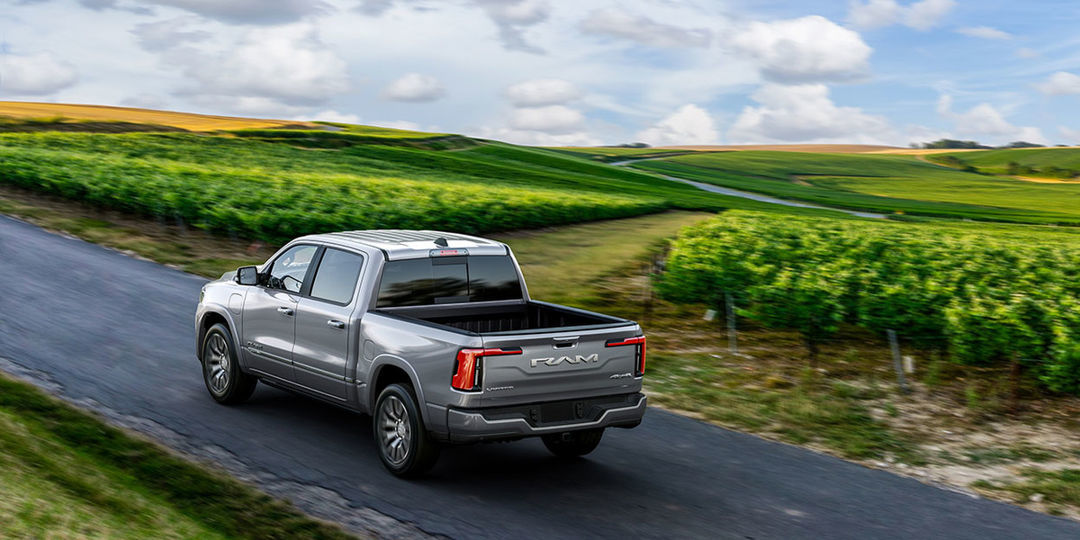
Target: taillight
(468, 367)
(639, 342)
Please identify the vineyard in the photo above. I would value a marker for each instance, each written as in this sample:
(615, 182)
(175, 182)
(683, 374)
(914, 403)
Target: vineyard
(986, 296)
(277, 205)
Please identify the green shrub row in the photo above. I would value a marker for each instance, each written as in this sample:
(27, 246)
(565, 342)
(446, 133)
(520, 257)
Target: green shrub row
(986, 298)
(277, 206)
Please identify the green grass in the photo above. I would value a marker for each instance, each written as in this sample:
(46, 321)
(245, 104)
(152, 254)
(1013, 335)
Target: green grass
(1061, 487)
(375, 131)
(882, 183)
(608, 154)
(64, 473)
(801, 409)
(997, 161)
(563, 265)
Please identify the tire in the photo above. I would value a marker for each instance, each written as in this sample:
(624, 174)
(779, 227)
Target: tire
(573, 443)
(405, 447)
(224, 379)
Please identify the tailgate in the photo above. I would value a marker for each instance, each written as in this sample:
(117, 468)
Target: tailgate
(560, 365)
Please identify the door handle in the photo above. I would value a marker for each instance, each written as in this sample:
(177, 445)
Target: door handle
(336, 324)
(287, 311)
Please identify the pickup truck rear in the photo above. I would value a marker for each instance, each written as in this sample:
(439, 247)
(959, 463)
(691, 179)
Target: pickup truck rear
(433, 334)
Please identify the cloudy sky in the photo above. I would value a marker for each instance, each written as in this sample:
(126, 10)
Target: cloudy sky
(572, 72)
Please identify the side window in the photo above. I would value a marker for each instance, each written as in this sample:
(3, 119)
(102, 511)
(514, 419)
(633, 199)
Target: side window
(289, 269)
(335, 278)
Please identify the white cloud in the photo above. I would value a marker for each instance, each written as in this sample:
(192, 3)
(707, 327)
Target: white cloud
(36, 74)
(616, 22)
(690, 124)
(288, 64)
(804, 50)
(538, 92)
(332, 116)
(874, 13)
(984, 120)
(257, 106)
(512, 17)
(1027, 53)
(549, 119)
(414, 87)
(922, 15)
(168, 34)
(402, 124)
(145, 101)
(926, 14)
(539, 138)
(803, 114)
(1060, 83)
(1072, 136)
(984, 32)
(374, 7)
(268, 12)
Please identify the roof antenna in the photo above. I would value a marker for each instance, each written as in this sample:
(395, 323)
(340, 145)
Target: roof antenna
(441, 242)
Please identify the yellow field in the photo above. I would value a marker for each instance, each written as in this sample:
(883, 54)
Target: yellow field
(102, 113)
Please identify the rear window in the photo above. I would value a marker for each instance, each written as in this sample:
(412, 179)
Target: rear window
(447, 280)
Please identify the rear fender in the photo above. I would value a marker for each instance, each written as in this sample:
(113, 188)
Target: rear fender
(377, 365)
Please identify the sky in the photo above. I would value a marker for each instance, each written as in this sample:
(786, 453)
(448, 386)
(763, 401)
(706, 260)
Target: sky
(581, 72)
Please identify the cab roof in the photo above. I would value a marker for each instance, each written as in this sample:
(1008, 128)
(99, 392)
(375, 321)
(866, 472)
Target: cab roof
(409, 244)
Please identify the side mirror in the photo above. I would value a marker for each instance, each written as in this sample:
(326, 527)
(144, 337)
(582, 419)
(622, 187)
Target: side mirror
(247, 275)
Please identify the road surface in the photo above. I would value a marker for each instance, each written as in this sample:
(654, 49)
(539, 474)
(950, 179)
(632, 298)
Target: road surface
(115, 334)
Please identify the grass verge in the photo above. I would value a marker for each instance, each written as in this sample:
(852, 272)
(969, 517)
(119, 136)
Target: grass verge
(807, 408)
(562, 265)
(65, 473)
(1053, 489)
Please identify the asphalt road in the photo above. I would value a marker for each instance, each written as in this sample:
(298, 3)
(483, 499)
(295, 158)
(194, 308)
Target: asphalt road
(115, 333)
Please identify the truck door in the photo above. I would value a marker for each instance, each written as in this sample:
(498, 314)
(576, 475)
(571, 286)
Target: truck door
(270, 313)
(325, 330)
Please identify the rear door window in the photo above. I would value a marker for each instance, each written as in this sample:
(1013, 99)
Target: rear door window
(446, 280)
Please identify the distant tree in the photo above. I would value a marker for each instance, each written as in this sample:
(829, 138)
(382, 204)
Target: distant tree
(952, 143)
(634, 145)
(1017, 169)
(1023, 144)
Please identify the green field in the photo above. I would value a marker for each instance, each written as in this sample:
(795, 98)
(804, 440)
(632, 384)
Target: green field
(609, 154)
(1032, 162)
(881, 183)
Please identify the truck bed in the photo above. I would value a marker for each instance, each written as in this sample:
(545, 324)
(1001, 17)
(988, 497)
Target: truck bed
(516, 317)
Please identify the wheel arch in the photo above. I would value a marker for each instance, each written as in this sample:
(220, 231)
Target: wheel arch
(386, 370)
(214, 316)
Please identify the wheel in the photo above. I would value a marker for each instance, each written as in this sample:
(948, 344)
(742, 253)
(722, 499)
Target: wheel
(405, 447)
(221, 372)
(573, 443)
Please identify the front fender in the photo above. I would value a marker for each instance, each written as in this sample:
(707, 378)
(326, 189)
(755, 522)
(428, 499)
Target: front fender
(217, 310)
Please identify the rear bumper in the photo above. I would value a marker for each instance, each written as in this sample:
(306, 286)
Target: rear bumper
(473, 425)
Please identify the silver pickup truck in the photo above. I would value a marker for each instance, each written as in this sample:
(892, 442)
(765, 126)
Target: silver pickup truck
(432, 333)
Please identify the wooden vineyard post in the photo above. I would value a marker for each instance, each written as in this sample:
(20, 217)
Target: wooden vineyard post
(733, 343)
(898, 365)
